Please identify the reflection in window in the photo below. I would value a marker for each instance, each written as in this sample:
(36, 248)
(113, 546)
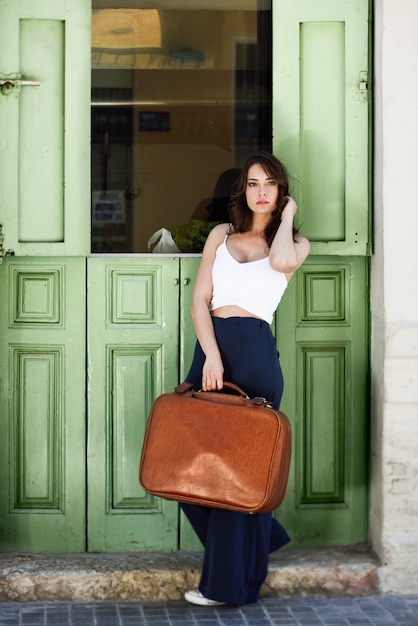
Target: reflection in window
(180, 98)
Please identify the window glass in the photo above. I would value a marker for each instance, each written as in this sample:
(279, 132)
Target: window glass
(181, 95)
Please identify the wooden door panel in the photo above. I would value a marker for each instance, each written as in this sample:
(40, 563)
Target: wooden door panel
(133, 357)
(42, 465)
(321, 118)
(40, 149)
(44, 166)
(323, 330)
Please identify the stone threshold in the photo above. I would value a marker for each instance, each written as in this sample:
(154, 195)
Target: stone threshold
(352, 571)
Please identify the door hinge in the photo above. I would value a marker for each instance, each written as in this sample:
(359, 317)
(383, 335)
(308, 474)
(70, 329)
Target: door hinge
(1, 243)
(363, 86)
(3, 252)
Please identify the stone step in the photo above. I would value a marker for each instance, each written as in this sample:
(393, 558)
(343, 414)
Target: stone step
(350, 571)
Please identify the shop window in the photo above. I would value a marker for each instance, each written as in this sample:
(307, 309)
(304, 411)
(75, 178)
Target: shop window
(181, 95)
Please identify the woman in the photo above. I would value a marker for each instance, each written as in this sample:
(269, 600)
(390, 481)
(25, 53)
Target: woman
(244, 271)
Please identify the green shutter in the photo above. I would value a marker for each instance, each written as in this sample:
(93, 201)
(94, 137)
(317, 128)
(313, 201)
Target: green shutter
(321, 107)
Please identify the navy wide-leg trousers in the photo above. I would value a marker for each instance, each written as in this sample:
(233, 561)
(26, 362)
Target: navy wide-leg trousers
(237, 545)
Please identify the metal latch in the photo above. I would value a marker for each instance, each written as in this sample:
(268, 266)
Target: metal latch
(3, 252)
(363, 86)
(13, 83)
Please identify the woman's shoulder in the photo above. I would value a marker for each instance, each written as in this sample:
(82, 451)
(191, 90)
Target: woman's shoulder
(218, 233)
(221, 229)
(214, 240)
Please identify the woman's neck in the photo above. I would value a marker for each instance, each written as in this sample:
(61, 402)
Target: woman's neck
(259, 224)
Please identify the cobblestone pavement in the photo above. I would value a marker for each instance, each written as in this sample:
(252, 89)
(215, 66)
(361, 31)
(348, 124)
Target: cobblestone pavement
(375, 610)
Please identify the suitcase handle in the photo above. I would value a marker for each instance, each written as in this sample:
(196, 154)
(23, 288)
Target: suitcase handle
(234, 387)
(189, 390)
(184, 387)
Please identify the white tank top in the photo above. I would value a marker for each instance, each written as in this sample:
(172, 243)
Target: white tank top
(253, 286)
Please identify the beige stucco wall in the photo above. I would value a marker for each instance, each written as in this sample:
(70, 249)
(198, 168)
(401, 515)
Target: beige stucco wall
(394, 488)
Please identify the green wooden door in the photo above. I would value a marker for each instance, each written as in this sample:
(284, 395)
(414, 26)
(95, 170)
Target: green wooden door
(135, 313)
(323, 338)
(44, 208)
(321, 129)
(140, 341)
(42, 464)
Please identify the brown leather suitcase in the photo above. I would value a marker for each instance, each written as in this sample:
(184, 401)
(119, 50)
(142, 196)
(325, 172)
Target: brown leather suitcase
(216, 449)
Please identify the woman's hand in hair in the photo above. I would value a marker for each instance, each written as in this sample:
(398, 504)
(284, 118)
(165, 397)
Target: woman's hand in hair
(289, 210)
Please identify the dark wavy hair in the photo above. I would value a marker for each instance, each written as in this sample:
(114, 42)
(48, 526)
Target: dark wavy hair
(241, 214)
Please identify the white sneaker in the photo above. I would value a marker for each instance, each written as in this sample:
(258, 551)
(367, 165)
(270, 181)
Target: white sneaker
(196, 597)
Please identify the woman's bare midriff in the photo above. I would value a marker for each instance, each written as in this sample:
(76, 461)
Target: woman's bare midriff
(231, 310)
